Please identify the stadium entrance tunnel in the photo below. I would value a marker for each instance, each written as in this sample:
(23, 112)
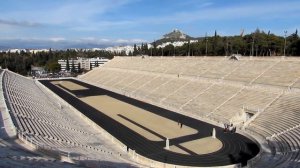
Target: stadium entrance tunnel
(154, 132)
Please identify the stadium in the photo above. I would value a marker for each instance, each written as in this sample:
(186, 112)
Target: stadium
(156, 112)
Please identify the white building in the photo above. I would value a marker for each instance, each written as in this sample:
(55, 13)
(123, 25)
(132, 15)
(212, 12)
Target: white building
(82, 63)
(97, 62)
(73, 64)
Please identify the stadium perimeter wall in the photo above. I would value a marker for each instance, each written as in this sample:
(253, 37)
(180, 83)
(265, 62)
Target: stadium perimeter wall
(134, 156)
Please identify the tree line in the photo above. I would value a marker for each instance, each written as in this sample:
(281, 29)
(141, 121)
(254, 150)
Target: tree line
(21, 62)
(258, 43)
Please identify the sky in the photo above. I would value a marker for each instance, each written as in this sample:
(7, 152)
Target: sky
(98, 23)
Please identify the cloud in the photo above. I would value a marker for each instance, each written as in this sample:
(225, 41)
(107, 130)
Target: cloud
(100, 41)
(63, 12)
(63, 43)
(196, 3)
(56, 39)
(19, 23)
(103, 25)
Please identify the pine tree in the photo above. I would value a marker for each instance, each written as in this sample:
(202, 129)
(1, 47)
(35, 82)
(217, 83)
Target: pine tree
(79, 67)
(68, 65)
(135, 51)
(215, 43)
(73, 66)
(154, 49)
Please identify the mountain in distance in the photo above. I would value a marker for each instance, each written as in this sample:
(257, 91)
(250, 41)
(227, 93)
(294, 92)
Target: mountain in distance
(175, 35)
(4, 48)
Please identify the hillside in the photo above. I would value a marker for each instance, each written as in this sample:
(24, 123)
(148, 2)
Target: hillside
(175, 35)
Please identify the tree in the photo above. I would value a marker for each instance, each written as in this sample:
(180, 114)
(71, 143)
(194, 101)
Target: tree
(73, 66)
(296, 47)
(154, 49)
(79, 67)
(135, 51)
(53, 66)
(67, 65)
(291, 41)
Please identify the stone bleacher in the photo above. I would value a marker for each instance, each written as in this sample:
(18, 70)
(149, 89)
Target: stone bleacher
(157, 80)
(218, 89)
(44, 122)
(284, 73)
(12, 155)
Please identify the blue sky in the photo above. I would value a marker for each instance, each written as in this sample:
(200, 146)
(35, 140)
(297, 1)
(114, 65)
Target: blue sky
(61, 23)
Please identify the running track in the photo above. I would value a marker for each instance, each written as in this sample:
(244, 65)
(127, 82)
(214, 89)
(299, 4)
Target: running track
(236, 148)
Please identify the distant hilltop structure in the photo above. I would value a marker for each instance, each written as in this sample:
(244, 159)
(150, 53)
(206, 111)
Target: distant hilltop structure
(175, 35)
(175, 38)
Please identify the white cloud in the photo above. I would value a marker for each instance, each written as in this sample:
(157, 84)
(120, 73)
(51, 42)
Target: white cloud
(18, 23)
(57, 39)
(130, 41)
(79, 11)
(60, 42)
(103, 25)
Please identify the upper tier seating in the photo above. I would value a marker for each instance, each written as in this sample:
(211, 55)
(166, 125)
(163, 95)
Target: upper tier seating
(204, 86)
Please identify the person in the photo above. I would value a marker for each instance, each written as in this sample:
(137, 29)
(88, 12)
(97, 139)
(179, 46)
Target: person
(226, 129)
(180, 125)
(231, 128)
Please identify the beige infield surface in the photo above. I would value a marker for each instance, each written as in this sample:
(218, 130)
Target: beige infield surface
(70, 85)
(145, 123)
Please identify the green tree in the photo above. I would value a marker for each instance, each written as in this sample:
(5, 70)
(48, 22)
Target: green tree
(135, 50)
(67, 65)
(73, 66)
(53, 66)
(79, 67)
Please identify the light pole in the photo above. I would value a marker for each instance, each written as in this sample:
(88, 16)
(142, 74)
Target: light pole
(285, 32)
